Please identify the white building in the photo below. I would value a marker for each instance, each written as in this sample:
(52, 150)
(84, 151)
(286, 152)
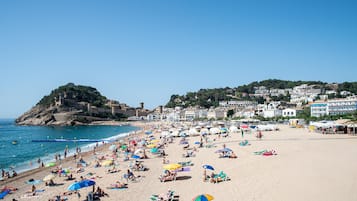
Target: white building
(238, 104)
(216, 114)
(319, 109)
(288, 112)
(269, 110)
(342, 106)
(270, 113)
(190, 115)
(261, 91)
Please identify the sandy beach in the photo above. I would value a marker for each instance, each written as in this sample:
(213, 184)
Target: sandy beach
(308, 166)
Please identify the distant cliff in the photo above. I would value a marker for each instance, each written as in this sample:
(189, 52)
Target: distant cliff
(74, 105)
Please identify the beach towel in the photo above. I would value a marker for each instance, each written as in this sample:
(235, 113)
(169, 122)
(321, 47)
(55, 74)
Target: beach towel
(4, 193)
(29, 196)
(268, 153)
(184, 169)
(32, 182)
(260, 152)
(116, 188)
(244, 143)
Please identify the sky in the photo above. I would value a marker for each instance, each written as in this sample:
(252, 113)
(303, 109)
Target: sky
(145, 51)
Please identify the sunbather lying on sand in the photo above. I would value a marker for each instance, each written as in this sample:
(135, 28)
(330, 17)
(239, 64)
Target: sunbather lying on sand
(232, 155)
(118, 184)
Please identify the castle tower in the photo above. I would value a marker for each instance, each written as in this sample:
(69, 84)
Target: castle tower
(88, 108)
(161, 108)
(142, 105)
(59, 101)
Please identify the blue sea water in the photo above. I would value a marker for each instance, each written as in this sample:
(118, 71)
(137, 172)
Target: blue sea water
(23, 155)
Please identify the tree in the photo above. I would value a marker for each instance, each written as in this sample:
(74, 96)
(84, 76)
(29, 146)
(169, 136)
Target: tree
(230, 113)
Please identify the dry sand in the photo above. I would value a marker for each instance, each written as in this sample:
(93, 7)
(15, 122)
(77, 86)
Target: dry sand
(308, 166)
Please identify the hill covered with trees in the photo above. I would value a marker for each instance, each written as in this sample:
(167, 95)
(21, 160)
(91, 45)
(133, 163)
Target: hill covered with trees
(71, 104)
(211, 97)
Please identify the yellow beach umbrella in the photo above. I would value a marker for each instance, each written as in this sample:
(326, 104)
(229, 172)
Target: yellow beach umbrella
(49, 177)
(155, 141)
(151, 145)
(172, 166)
(107, 163)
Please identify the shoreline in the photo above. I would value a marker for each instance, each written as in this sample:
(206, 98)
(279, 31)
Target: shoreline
(24, 166)
(85, 153)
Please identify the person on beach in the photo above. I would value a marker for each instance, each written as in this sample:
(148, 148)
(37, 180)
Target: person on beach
(14, 174)
(242, 133)
(39, 162)
(33, 189)
(204, 175)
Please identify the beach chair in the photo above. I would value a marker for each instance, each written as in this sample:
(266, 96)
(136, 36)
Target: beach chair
(186, 163)
(223, 176)
(171, 177)
(170, 196)
(210, 146)
(188, 154)
(220, 177)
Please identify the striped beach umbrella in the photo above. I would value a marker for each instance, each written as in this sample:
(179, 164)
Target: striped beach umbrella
(203, 197)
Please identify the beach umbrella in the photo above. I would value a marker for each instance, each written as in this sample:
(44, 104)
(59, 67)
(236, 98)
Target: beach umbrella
(148, 132)
(65, 171)
(151, 145)
(203, 197)
(224, 130)
(172, 166)
(138, 151)
(51, 164)
(224, 150)
(81, 184)
(154, 150)
(49, 177)
(135, 156)
(197, 142)
(123, 147)
(154, 141)
(208, 167)
(245, 126)
(107, 163)
(112, 147)
(184, 142)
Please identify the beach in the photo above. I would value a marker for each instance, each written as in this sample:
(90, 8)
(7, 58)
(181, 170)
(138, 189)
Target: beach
(307, 166)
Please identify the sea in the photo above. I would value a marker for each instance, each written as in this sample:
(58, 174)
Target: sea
(18, 152)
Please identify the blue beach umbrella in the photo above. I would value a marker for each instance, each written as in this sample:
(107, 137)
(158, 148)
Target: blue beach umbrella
(148, 132)
(135, 156)
(81, 184)
(209, 167)
(197, 142)
(224, 150)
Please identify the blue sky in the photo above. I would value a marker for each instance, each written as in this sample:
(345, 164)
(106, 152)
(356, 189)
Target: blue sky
(135, 51)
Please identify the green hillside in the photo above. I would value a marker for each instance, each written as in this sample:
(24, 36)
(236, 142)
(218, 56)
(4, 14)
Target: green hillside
(211, 97)
(77, 93)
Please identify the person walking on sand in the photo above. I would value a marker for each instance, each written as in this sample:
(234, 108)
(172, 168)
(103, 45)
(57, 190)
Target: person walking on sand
(242, 133)
(204, 175)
